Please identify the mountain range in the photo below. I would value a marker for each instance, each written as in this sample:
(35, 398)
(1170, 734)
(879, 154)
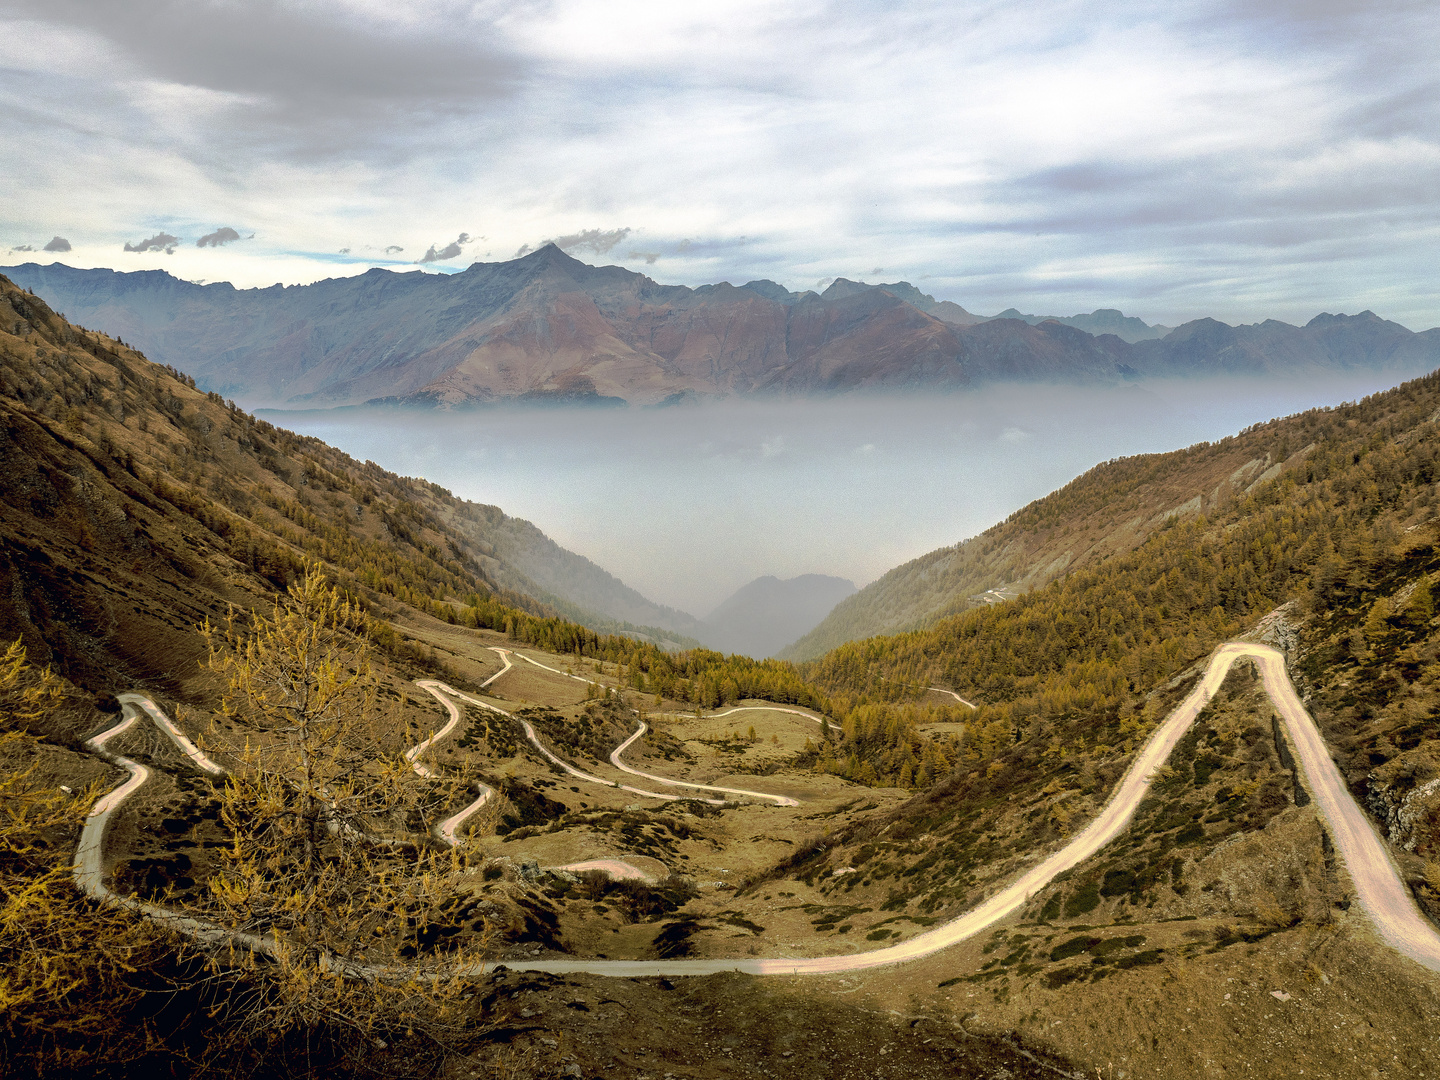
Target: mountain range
(1100, 321)
(547, 328)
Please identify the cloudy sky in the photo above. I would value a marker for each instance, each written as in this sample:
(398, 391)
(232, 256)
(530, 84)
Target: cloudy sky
(1243, 160)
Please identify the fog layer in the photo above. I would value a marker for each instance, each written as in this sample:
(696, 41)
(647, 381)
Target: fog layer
(687, 504)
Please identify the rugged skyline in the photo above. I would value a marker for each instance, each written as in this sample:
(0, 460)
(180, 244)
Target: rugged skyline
(1238, 161)
(547, 328)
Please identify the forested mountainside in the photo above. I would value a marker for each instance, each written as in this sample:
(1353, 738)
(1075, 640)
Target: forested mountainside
(1334, 557)
(1110, 509)
(547, 328)
(1344, 532)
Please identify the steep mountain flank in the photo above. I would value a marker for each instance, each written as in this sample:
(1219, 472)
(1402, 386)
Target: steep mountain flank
(1345, 518)
(547, 328)
(135, 506)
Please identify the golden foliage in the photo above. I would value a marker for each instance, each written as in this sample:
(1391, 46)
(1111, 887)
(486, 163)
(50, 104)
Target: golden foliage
(343, 909)
(62, 958)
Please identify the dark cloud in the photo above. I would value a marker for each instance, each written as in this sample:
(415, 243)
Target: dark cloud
(23, 247)
(450, 250)
(161, 241)
(594, 241)
(591, 240)
(648, 256)
(218, 238)
(393, 249)
(58, 244)
(316, 75)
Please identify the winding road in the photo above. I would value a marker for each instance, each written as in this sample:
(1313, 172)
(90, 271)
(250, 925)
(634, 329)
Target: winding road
(1377, 882)
(448, 830)
(1382, 895)
(442, 691)
(778, 800)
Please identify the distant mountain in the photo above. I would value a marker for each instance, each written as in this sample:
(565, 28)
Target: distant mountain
(944, 310)
(768, 613)
(547, 328)
(1099, 321)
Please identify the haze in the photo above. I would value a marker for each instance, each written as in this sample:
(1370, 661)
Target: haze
(687, 504)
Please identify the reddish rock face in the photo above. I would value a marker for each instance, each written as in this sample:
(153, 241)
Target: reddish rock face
(574, 327)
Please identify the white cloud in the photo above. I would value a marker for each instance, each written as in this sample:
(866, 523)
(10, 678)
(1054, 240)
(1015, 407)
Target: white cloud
(1176, 160)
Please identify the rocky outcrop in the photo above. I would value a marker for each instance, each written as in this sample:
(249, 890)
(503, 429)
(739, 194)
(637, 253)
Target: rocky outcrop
(1404, 794)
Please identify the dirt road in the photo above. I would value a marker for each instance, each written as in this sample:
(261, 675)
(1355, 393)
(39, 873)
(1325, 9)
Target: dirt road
(1381, 893)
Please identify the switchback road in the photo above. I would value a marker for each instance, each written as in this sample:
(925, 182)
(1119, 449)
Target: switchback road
(1378, 886)
(1382, 895)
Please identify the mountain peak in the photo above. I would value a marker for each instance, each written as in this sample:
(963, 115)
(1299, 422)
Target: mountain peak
(843, 287)
(551, 254)
(770, 290)
(1327, 319)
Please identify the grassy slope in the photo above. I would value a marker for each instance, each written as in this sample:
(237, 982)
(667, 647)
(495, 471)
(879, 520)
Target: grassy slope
(1227, 877)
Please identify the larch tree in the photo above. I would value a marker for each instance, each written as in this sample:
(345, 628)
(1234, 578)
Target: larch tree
(329, 883)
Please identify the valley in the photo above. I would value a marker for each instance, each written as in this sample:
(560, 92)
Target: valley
(960, 844)
(873, 541)
(577, 867)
